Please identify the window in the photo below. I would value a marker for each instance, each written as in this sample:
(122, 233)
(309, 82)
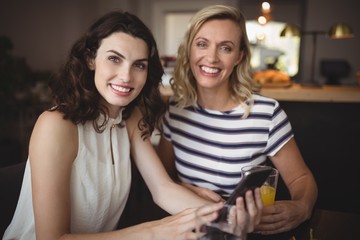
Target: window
(269, 50)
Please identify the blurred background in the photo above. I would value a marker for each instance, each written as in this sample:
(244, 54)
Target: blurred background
(42, 31)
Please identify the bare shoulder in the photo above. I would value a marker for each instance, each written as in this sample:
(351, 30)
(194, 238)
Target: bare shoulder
(53, 121)
(55, 117)
(54, 133)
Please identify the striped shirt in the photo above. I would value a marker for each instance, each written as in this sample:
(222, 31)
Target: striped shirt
(211, 146)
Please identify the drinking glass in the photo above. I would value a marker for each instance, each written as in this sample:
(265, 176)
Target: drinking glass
(268, 189)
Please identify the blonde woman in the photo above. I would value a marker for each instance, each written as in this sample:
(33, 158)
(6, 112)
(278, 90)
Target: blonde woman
(217, 122)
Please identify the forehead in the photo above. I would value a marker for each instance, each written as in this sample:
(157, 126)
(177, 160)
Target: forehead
(220, 30)
(125, 44)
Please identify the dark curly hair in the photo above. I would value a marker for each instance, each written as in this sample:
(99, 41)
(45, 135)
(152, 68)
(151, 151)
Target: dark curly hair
(74, 90)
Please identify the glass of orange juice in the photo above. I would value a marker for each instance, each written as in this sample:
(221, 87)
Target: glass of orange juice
(268, 189)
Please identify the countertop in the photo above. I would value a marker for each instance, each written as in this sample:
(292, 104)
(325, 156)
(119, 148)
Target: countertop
(296, 92)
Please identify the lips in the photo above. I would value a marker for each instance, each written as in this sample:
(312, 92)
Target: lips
(209, 70)
(120, 89)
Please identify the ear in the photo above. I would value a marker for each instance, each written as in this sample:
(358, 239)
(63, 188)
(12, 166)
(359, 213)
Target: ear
(91, 64)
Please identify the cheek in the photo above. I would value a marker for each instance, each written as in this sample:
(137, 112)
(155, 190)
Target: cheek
(194, 56)
(194, 68)
(193, 60)
(104, 73)
(140, 79)
(98, 79)
(230, 62)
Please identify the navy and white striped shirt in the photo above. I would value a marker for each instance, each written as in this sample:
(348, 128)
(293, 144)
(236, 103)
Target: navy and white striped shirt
(211, 146)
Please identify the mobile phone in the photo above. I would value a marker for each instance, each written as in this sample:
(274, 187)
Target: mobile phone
(252, 178)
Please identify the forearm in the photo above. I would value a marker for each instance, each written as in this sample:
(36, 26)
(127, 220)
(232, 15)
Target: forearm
(305, 191)
(175, 198)
(140, 231)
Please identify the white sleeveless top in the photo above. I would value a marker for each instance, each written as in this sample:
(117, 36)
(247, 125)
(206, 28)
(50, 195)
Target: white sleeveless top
(100, 184)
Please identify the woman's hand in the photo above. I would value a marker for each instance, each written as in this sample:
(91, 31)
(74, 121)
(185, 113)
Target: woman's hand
(281, 217)
(182, 225)
(249, 216)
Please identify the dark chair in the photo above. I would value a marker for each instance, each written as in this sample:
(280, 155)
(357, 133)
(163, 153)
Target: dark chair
(10, 184)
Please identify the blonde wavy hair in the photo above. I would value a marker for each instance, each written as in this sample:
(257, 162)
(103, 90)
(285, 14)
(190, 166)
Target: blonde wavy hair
(242, 85)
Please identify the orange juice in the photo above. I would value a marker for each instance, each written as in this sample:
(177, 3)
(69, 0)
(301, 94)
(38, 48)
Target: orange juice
(267, 195)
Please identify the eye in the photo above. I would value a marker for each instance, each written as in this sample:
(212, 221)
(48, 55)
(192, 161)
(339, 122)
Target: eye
(226, 48)
(140, 65)
(114, 59)
(201, 44)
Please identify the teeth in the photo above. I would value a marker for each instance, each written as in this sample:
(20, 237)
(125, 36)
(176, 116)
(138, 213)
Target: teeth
(120, 89)
(209, 70)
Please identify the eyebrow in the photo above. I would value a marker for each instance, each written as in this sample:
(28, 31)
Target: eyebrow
(117, 53)
(222, 42)
(122, 56)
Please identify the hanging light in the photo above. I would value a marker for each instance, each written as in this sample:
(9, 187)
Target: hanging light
(290, 31)
(265, 16)
(336, 31)
(262, 20)
(340, 30)
(265, 7)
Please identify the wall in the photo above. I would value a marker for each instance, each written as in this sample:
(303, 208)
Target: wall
(43, 31)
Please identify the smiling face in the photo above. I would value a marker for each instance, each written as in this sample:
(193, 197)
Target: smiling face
(121, 66)
(214, 52)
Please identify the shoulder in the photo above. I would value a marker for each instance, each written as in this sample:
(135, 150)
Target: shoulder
(261, 98)
(53, 142)
(262, 101)
(52, 128)
(54, 120)
(265, 106)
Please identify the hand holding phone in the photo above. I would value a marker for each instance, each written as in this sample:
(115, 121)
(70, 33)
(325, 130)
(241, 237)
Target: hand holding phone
(252, 178)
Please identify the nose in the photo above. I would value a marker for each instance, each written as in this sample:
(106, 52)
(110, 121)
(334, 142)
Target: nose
(124, 73)
(212, 55)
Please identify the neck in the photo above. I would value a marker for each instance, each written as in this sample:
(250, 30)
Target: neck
(216, 102)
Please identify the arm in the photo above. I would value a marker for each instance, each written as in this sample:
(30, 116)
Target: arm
(165, 151)
(297, 177)
(287, 215)
(167, 194)
(52, 149)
